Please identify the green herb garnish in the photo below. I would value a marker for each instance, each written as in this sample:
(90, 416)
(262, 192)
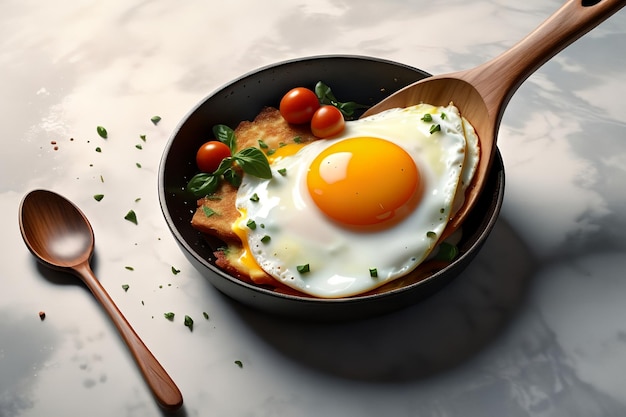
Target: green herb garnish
(251, 224)
(262, 144)
(239, 364)
(303, 268)
(254, 197)
(98, 197)
(142, 137)
(251, 160)
(189, 322)
(266, 239)
(208, 211)
(427, 117)
(125, 287)
(206, 315)
(131, 216)
(102, 132)
(155, 119)
(446, 252)
(138, 146)
(98, 149)
(431, 235)
(130, 268)
(175, 271)
(169, 316)
(282, 171)
(326, 96)
(435, 128)
(373, 272)
(443, 116)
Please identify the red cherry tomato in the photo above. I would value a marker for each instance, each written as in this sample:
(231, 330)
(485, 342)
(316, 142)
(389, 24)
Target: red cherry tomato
(210, 155)
(327, 121)
(298, 105)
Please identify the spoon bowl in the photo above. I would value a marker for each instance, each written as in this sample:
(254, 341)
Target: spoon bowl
(481, 94)
(61, 237)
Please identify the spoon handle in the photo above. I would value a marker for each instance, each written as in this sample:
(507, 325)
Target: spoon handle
(162, 386)
(499, 78)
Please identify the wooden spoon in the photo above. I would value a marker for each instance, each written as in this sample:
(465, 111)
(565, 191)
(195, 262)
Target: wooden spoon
(60, 236)
(482, 93)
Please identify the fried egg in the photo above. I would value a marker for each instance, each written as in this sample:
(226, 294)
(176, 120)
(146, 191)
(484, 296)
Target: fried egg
(345, 215)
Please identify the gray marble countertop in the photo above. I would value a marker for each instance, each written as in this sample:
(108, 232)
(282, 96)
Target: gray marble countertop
(534, 327)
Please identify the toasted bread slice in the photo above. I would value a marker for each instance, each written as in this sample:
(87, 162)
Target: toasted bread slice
(216, 213)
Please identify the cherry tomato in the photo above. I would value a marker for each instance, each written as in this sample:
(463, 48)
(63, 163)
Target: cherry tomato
(327, 121)
(298, 105)
(210, 155)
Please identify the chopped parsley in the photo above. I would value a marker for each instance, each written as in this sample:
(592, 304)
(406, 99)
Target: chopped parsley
(208, 211)
(373, 272)
(155, 119)
(239, 364)
(427, 117)
(189, 323)
(251, 224)
(431, 235)
(206, 315)
(169, 316)
(262, 144)
(125, 287)
(131, 216)
(282, 171)
(175, 271)
(98, 197)
(98, 149)
(254, 197)
(303, 268)
(102, 132)
(129, 268)
(435, 128)
(266, 239)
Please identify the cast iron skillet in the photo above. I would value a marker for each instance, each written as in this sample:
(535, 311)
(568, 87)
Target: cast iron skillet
(352, 78)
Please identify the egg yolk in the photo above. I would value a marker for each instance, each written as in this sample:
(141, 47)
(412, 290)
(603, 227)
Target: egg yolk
(364, 181)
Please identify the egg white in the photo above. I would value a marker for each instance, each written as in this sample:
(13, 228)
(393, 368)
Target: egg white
(291, 231)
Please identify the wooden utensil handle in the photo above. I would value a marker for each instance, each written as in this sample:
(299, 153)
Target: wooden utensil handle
(162, 386)
(504, 74)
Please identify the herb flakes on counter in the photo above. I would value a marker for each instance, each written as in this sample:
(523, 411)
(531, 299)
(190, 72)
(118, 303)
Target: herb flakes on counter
(131, 216)
(206, 315)
(189, 323)
(125, 287)
(155, 119)
(169, 315)
(98, 197)
(102, 132)
(175, 271)
(239, 363)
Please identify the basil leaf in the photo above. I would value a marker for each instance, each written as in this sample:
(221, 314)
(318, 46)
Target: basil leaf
(232, 177)
(253, 161)
(326, 96)
(226, 135)
(203, 184)
(224, 166)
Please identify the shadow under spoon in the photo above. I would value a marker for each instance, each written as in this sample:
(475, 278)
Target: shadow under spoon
(61, 237)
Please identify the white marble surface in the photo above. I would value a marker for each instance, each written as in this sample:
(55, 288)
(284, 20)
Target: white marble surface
(535, 327)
